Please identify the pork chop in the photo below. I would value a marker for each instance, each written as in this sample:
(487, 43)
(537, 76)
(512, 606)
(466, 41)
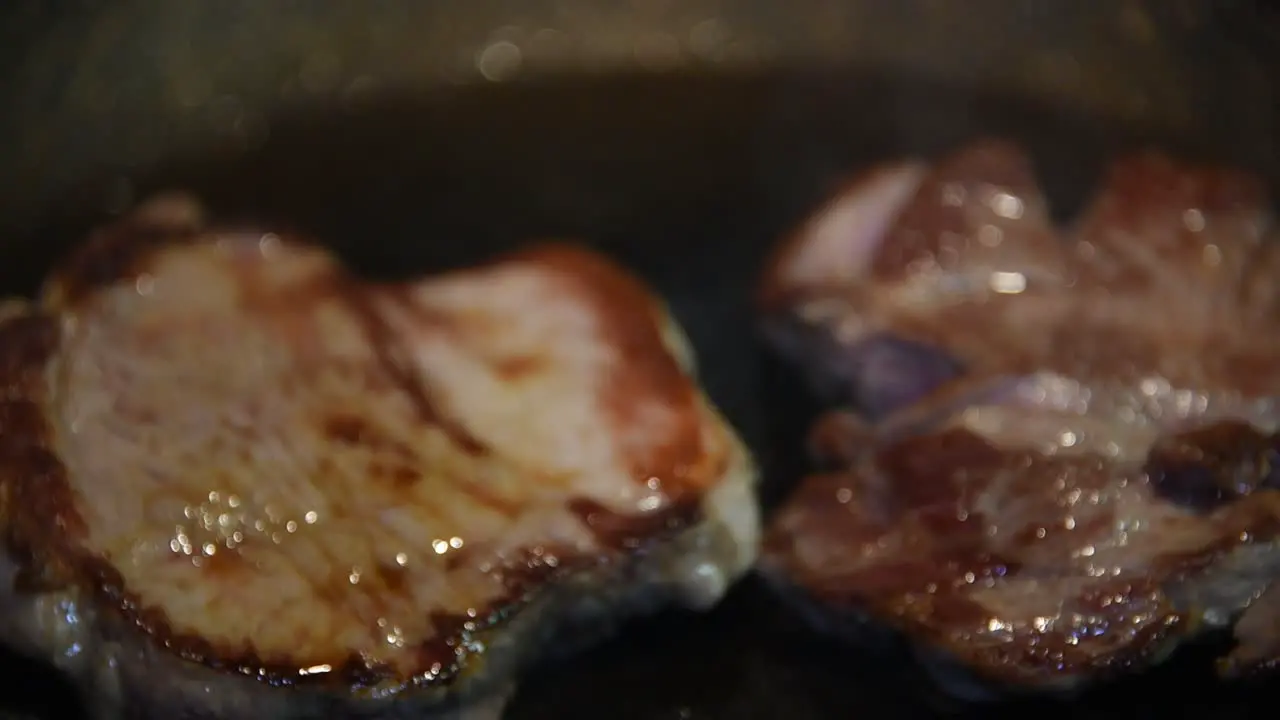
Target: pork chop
(238, 481)
(1054, 454)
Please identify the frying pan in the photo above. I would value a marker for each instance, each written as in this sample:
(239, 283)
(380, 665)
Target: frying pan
(679, 137)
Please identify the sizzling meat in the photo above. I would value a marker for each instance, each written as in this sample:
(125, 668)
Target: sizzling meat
(236, 481)
(1057, 454)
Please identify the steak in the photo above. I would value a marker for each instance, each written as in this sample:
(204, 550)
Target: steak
(238, 481)
(1051, 453)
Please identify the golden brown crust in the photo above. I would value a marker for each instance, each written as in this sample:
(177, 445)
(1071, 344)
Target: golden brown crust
(46, 533)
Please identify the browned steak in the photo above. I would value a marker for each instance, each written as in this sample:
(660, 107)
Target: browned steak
(238, 482)
(1057, 455)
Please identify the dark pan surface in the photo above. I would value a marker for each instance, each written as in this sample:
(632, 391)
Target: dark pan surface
(688, 181)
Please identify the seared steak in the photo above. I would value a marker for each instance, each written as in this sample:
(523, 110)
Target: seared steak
(1057, 451)
(238, 482)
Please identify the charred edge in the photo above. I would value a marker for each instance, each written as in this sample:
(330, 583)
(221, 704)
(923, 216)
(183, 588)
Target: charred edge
(447, 656)
(443, 659)
(617, 531)
(118, 252)
(36, 507)
(352, 672)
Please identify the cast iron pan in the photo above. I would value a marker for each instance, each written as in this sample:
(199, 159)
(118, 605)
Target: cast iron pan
(688, 181)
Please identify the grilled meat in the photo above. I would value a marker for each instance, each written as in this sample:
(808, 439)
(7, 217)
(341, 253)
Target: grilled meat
(237, 481)
(1055, 454)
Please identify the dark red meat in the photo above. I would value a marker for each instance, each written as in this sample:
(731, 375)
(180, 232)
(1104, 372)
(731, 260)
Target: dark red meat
(1056, 456)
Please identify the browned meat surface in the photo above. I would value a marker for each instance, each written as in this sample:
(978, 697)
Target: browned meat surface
(236, 481)
(1057, 454)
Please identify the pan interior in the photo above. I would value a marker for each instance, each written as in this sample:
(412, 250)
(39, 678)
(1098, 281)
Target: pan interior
(688, 180)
